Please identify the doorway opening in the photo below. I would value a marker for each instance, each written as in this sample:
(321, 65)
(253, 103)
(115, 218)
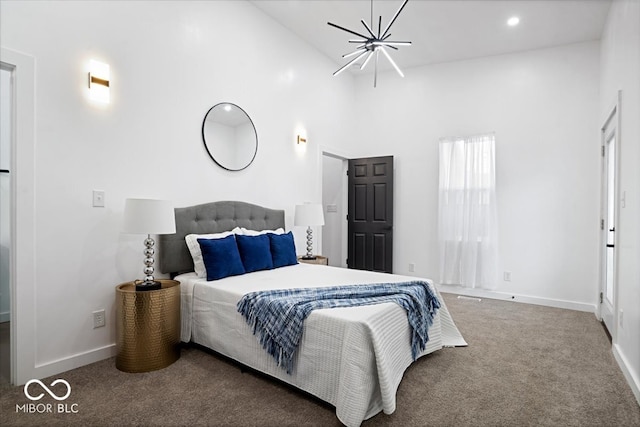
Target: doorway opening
(357, 198)
(6, 136)
(610, 139)
(334, 202)
(21, 218)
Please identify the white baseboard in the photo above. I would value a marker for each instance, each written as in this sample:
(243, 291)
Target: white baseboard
(631, 376)
(484, 293)
(71, 362)
(5, 316)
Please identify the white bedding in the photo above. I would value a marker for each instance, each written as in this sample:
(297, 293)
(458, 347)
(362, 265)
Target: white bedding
(354, 358)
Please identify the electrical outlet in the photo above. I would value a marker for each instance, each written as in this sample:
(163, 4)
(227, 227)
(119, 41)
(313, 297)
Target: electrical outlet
(98, 319)
(412, 267)
(98, 199)
(507, 276)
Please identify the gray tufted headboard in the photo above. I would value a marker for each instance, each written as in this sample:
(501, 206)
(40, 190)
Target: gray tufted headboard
(215, 217)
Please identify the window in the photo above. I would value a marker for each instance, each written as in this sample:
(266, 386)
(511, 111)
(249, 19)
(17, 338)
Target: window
(467, 224)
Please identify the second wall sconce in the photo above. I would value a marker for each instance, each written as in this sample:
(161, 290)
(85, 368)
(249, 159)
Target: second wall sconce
(301, 140)
(99, 81)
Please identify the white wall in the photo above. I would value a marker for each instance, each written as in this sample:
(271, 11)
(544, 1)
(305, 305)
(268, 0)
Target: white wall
(543, 107)
(170, 62)
(620, 70)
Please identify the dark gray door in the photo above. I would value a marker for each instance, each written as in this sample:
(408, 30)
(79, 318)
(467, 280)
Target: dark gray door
(370, 214)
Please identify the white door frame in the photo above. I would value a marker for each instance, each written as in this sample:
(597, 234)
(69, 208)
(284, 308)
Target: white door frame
(23, 258)
(611, 125)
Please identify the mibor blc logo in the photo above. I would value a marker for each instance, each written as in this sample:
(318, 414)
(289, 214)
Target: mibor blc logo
(31, 389)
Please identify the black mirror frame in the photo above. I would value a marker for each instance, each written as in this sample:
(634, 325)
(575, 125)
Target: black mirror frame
(204, 139)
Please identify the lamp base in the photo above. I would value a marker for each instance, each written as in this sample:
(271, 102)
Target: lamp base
(309, 257)
(148, 286)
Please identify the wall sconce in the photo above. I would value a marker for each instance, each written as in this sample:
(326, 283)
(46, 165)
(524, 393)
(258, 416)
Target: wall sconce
(300, 139)
(98, 81)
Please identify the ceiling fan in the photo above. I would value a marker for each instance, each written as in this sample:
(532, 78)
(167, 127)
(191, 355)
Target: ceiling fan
(372, 44)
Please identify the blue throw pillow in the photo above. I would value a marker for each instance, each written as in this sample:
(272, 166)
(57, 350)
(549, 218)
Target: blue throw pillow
(255, 252)
(283, 249)
(221, 257)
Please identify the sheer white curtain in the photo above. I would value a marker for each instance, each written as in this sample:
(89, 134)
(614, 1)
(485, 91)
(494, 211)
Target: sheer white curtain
(467, 218)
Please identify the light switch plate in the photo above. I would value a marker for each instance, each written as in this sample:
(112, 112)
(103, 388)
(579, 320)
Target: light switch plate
(98, 199)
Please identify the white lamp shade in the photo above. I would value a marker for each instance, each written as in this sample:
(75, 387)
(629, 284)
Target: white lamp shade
(309, 214)
(147, 216)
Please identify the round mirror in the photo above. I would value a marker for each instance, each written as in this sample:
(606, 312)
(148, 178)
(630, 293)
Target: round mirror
(229, 136)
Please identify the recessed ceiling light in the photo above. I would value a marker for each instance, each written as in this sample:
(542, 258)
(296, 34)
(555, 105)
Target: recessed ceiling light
(513, 21)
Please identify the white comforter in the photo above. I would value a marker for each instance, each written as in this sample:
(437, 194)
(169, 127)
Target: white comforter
(353, 358)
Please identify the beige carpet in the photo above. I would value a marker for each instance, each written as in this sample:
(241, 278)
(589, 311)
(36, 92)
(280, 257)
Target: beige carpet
(525, 366)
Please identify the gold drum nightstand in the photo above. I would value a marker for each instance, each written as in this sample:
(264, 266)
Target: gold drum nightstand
(322, 260)
(147, 327)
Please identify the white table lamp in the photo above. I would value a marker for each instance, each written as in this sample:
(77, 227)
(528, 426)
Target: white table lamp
(309, 215)
(147, 216)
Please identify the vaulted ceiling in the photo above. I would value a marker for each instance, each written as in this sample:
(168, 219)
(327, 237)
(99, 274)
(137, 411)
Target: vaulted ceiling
(442, 31)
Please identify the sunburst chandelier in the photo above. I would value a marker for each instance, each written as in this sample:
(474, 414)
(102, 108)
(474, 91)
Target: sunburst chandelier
(371, 45)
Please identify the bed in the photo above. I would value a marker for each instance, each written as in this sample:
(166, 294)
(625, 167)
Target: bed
(351, 357)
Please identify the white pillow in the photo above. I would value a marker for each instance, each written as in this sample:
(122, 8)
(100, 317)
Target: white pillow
(194, 248)
(256, 233)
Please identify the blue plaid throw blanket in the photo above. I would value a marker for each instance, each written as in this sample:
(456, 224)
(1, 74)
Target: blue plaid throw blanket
(278, 315)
